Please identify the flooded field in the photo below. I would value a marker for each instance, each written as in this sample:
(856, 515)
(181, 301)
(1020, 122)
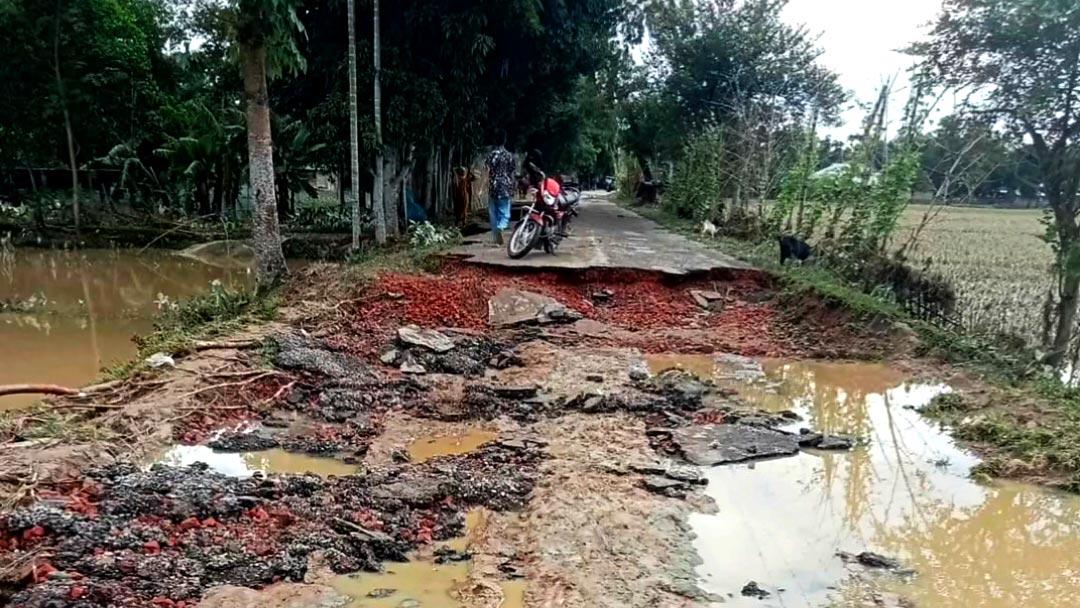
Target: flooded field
(904, 494)
(64, 315)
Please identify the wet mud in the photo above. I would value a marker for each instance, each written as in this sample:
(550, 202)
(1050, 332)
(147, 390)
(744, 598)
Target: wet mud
(344, 472)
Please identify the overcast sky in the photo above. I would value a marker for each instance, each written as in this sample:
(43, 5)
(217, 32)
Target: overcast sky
(862, 40)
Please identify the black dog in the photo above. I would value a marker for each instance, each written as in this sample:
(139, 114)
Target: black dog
(794, 247)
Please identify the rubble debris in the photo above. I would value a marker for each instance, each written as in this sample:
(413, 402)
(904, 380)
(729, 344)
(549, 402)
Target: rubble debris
(295, 351)
(665, 486)
(505, 359)
(470, 356)
(716, 444)
(869, 559)
(167, 535)
(514, 308)
(603, 296)
(709, 300)
(818, 441)
(243, 442)
(752, 589)
(412, 367)
(446, 555)
(430, 339)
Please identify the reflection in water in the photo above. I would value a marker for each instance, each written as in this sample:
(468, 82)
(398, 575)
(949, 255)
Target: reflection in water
(905, 494)
(83, 308)
(245, 465)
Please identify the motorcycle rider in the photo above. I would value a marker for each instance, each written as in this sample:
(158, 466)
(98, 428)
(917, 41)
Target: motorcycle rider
(552, 190)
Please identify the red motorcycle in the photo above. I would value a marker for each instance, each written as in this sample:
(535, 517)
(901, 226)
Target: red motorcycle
(546, 220)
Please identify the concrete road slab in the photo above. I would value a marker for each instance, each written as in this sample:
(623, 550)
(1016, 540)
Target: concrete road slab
(608, 236)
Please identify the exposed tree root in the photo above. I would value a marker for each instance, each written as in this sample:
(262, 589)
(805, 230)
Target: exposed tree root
(37, 389)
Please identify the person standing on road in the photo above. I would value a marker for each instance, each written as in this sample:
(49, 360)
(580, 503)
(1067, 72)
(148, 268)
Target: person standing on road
(501, 168)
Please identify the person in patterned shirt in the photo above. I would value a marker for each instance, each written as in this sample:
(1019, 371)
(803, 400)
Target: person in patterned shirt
(501, 168)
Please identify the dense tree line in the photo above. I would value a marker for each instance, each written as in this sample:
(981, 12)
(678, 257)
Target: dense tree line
(155, 90)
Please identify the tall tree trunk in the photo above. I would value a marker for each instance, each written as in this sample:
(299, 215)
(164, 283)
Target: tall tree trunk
(202, 197)
(1069, 286)
(354, 131)
(219, 194)
(429, 187)
(390, 206)
(266, 235)
(377, 203)
(67, 118)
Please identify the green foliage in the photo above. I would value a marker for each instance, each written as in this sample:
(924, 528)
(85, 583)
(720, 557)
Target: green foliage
(275, 26)
(110, 54)
(737, 65)
(321, 218)
(295, 155)
(698, 185)
(426, 235)
(209, 157)
(219, 312)
(795, 190)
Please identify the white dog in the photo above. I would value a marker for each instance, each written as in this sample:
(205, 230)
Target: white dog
(709, 229)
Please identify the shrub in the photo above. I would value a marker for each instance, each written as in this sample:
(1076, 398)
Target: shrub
(698, 184)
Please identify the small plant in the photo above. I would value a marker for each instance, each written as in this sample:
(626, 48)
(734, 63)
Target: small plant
(321, 218)
(215, 313)
(426, 235)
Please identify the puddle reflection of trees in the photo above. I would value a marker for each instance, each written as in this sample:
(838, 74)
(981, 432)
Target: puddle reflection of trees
(907, 494)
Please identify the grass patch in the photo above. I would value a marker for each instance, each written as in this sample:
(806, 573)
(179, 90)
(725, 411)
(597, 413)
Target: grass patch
(217, 313)
(45, 423)
(417, 256)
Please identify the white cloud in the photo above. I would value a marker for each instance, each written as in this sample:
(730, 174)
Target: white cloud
(863, 42)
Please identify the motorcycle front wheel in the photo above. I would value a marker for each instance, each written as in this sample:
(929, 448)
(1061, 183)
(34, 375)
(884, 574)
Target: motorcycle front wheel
(523, 239)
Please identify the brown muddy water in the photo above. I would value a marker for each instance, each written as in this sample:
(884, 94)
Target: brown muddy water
(426, 448)
(69, 313)
(905, 494)
(424, 583)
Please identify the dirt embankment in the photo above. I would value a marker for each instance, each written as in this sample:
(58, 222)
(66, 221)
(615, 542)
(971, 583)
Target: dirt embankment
(587, 502)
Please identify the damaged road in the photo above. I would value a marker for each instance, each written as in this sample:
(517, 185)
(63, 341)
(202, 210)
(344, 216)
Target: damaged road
(589, 481)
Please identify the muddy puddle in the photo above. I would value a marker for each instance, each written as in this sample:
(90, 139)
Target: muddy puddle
(64, 315)
(426, 448)
(906, 493)
(423, 583)
(247, 464)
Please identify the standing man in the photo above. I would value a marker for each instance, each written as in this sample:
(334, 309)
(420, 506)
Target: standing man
(501, 168)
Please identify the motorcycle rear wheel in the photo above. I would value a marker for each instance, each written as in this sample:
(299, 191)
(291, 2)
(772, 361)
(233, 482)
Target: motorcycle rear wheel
(524, 237)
